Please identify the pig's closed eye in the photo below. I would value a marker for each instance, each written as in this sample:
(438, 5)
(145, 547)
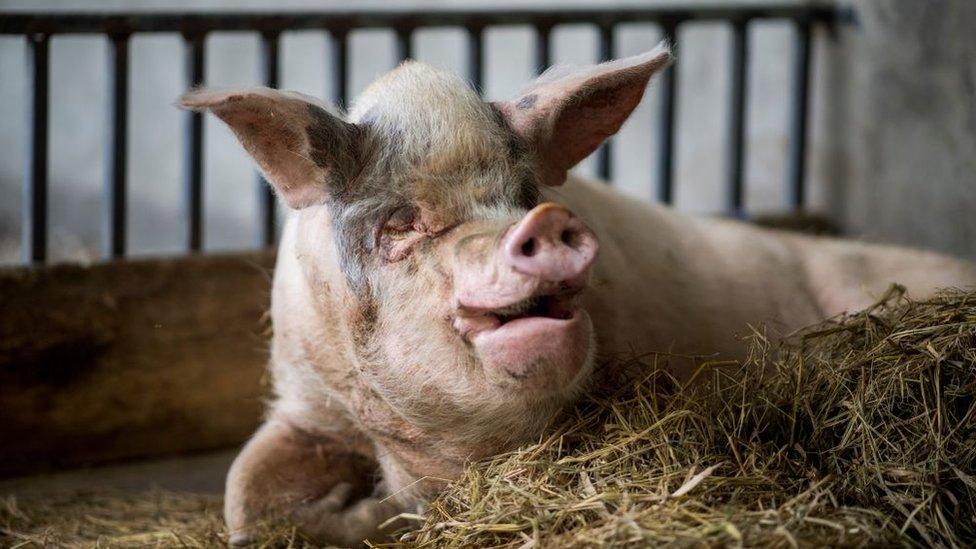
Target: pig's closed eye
(398, 235)
(401, 221)
(406, 228)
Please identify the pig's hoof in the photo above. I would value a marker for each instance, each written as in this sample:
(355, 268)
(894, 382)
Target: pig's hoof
(333, 520)
(240, 539)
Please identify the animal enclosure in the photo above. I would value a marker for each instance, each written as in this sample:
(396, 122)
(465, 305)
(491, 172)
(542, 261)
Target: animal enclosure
(466, 345)
(173, 349)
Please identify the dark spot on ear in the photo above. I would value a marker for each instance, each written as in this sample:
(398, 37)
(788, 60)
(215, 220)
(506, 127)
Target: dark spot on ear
(324, 136)
(527, 102)
(516, 147)
(339, 148)
(328, 136)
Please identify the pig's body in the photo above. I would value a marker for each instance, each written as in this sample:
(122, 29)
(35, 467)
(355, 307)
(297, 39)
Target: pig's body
(438, 296)
(665, 281)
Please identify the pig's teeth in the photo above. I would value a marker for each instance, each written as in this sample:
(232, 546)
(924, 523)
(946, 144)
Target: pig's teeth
(519, 308)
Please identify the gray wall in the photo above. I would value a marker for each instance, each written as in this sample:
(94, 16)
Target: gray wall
(893, 129)
(897, 120)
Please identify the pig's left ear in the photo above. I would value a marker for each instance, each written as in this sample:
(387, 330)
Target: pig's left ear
(304, 151)
(567, 113)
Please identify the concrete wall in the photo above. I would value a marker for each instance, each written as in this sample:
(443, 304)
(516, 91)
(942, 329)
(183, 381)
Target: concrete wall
(893, 122)
(896, 140)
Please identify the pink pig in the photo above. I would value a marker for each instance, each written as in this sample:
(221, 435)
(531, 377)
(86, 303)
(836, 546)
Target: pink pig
(443, 287)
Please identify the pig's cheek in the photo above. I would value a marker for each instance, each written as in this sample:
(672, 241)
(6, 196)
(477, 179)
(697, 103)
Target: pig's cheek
(435, 281)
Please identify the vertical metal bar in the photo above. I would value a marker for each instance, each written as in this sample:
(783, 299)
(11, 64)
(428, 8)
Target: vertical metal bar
(34, 218)
(114, 228)
(604, 168)
(665, 121)
(194, 55)
(404, 43)
(476, 57)
(737, 117)
(796, 163)
(340, 64)
(543, 47)
(266, 197)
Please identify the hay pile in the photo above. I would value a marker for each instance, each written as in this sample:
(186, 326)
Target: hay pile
(116, 519)
(111, 519)
(858, 431)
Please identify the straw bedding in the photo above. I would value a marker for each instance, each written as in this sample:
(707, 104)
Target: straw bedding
(857, 431)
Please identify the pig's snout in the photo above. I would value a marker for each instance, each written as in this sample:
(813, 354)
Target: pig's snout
(517, 305)
(551, 243)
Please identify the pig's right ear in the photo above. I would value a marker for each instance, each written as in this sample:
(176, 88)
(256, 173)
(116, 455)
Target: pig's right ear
(303, 150)
(568, 112)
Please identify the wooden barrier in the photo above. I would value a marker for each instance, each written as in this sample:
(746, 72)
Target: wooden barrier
(130, 358)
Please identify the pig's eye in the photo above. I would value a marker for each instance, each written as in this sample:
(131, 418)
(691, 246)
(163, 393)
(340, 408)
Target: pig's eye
(401, 221)
(398, 235)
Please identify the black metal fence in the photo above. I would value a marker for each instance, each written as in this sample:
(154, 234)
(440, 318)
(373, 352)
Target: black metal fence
(194, 27)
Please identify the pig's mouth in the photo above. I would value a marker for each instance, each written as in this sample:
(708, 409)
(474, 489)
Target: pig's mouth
(549, 306)
(539, 344)
(560, 308)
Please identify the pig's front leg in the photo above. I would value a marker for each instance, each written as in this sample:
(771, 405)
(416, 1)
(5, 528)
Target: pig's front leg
(322, 485)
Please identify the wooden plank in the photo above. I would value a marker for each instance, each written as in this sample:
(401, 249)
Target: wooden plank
(130, 358)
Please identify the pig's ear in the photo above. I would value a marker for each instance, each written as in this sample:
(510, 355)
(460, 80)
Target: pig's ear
(568, 112)
(302, 149)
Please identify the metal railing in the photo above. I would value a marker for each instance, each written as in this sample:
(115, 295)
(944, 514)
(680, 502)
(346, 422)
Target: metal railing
(194, 27)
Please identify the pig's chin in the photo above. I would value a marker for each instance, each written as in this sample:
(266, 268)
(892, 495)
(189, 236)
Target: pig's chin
(540, 352)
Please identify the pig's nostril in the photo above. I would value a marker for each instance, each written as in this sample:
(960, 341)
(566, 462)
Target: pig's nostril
(569, 238)
(528, 247)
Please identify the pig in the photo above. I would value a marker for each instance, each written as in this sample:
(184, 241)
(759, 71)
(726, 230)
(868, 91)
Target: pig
(444, 286)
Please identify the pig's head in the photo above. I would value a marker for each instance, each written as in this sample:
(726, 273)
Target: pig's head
(418, 224)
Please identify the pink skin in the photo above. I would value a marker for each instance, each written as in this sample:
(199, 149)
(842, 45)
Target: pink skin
(363, 381)
(519, 308)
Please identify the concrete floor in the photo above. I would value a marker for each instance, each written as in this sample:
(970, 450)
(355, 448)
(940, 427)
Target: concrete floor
(201, 473)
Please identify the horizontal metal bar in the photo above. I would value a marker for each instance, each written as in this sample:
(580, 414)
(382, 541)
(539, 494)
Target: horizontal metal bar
(200, 22)
(116, 149)
(34, 218)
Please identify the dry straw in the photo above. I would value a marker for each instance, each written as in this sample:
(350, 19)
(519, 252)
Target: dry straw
(858, 431)
(117, 519)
